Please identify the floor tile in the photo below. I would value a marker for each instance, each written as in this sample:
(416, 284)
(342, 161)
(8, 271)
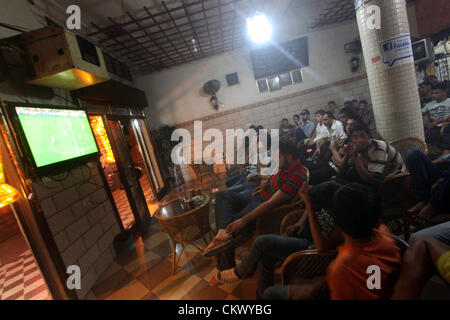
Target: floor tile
(164, 249)
(156, 274)
(177, 286)
(203, 291)
(246, 289)
(112, 269)
(156, 239)
(142, 263)
(133, 290)
(109, 285)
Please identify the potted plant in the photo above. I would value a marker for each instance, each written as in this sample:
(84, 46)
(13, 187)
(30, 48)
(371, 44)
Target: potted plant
(165, 146)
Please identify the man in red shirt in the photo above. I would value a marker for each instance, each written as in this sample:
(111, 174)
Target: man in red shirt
(232, 219)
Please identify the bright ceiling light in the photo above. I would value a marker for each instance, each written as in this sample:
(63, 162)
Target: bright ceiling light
(259, 28)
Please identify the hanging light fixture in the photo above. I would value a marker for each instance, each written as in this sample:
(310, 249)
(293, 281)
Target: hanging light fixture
(193, 43)
(259, 28)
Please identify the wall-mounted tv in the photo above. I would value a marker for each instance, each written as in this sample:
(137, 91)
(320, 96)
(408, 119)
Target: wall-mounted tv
(55, 136)
(280, 58)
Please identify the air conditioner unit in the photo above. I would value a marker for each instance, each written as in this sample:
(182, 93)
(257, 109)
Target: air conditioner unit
(423, 51)
(61, 59)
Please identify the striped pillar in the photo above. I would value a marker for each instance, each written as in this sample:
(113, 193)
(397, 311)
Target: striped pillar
(390, 68)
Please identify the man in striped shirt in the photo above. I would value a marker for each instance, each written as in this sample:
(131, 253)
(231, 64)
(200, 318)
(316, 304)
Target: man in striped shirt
(237, 212)
(369, 160)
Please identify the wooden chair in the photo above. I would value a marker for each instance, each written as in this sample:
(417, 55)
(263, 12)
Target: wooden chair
(311, 264)
(405, 144)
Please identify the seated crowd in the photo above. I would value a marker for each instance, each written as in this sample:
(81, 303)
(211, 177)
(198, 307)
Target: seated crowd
(336, 167)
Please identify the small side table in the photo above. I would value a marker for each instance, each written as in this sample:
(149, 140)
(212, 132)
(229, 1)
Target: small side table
(184, 224)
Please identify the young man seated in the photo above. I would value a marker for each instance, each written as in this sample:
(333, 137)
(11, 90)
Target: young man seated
(430, 185)
(235, 215)
(324, 169)
(306, 124)
(367, 243)
(425, 93)
(439, 112)
(286, 130)
(321, 131)
(333, 108)
(269, 249)
(368, 160)
(334, 127)
(234, 174)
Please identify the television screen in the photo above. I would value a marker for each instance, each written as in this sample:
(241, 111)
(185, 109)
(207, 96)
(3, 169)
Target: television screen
(281, 58)
(56, 135)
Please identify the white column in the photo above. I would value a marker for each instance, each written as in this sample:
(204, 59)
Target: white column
(393, 89)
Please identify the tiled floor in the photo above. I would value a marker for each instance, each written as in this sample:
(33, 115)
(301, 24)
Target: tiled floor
(22, 280)
(145, 272)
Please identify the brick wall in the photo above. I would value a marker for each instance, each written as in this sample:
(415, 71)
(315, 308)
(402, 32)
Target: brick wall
(81, 220)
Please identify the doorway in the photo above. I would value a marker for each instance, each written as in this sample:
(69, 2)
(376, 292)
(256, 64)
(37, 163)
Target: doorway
(130, 166)
(111, 172)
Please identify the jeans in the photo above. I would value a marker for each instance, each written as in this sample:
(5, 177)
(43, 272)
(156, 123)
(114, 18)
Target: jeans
(235, 180)
(423, 174)
(276, 293)
(265, 252)
(439, 232)
(441, 195)
(233, 203)
(321, 174)
(433, 136)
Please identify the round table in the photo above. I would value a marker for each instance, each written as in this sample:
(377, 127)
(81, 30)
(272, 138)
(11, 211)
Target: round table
(184, 223)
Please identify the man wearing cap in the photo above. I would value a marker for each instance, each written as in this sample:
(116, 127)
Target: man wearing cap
(306, 124)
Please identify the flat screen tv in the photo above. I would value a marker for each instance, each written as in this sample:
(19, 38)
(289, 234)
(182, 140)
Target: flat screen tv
(56, 136)
(281, 58)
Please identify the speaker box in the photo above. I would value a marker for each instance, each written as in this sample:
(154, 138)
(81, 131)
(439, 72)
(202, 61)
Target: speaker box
(61, 59)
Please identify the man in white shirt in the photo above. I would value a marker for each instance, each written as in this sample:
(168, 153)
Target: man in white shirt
(439, 112)
(335, 129)
(439, 108)
(321, 130)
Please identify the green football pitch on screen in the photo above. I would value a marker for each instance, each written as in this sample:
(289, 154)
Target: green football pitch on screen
(56, 135)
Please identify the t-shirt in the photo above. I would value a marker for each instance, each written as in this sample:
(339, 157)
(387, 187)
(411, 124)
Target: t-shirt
(382, 159)
(321, 132)
(286, 133)
(348, 275)
(288, 181)
(336, 131)
(438, 110)
(307, 127)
